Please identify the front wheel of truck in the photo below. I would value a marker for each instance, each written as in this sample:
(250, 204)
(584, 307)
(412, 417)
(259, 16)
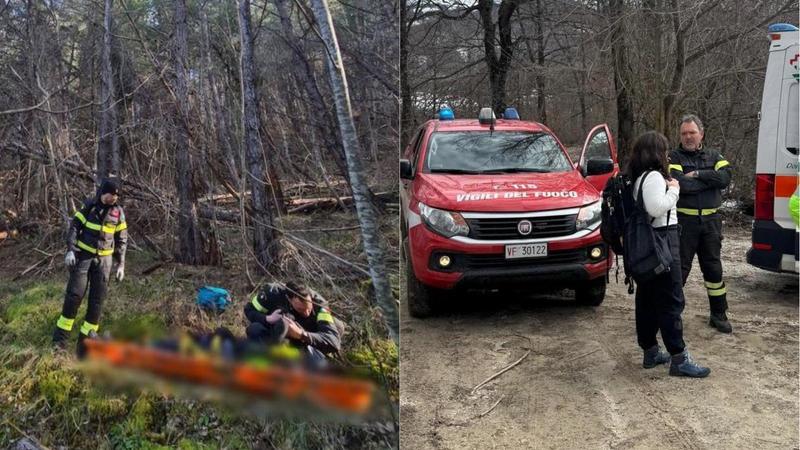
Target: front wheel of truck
(591, 293)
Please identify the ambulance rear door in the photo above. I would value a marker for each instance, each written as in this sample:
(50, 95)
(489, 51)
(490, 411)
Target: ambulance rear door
(786, 163)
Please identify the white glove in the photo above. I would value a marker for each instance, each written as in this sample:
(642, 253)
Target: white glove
(69, 260)
(120, 272)
(274, 317)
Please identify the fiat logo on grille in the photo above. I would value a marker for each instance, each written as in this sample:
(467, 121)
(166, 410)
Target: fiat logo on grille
(524, 227)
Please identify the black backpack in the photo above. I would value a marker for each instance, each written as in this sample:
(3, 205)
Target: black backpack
(618, 205)
(646, 253)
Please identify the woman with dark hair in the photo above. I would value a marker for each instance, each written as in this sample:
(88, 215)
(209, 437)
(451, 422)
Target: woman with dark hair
(660, 301)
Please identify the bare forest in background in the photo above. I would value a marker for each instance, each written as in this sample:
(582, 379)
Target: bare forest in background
(213, 113)
(571, 65)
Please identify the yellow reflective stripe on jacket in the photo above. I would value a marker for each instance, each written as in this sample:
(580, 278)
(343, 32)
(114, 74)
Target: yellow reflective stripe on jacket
(92, 225)
(695, 212)
(87, 327)
(324, 316)
(258, 306)
(95, 251)
(676, 167)
(711, 285)
(65, 324)
(720, 164)
(120, 227)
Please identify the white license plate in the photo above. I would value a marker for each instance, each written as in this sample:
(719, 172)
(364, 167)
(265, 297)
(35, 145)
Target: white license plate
(526, 250)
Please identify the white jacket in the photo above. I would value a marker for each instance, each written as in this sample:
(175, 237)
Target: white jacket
(659, 202)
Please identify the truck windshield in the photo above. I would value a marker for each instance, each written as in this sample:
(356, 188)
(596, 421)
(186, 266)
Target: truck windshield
(494, 152)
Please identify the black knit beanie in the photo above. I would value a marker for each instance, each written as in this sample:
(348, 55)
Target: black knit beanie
(110, 186)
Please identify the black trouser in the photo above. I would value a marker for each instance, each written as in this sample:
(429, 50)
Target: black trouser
(660, 302)
(275, 335)
(262, 334)
(703, 235)
(95, 272)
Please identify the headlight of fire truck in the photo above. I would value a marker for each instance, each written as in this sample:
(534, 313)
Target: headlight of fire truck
(588, 217)
(446, 223)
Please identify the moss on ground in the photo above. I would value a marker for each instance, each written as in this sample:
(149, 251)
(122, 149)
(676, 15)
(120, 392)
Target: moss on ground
(30, 313)
(43, 393)
(137, 327)
(378, 360)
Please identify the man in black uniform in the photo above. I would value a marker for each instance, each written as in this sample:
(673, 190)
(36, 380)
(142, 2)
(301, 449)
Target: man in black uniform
(97, 238)
(295, 314)
(702, 173)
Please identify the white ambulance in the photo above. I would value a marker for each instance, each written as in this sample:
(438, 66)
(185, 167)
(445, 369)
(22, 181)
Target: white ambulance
(775, 236)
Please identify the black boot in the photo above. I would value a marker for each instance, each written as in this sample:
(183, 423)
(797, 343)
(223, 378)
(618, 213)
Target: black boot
(684, 366)
(720, 322)
(60, 338)
(654, 357)
(81, 349)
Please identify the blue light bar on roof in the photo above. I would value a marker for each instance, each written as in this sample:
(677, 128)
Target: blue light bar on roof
(511, 114)
(781, 27)
(445, 113)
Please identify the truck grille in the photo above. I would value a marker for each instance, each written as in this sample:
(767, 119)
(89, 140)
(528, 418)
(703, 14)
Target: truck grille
(506, 227)
(499, 261)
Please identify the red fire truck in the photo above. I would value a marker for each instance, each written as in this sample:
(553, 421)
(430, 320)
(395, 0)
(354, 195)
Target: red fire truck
(493, 203)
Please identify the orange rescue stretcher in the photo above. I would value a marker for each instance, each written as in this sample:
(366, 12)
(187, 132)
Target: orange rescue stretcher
(326, 391)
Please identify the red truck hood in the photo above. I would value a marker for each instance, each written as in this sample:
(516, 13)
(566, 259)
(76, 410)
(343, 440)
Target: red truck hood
(519, 192)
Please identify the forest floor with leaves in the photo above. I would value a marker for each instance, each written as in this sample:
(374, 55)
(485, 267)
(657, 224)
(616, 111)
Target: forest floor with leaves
(583, 386)
(46, 397)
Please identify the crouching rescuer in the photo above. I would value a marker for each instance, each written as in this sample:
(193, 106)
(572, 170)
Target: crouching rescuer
(293, 315)
(96, 240)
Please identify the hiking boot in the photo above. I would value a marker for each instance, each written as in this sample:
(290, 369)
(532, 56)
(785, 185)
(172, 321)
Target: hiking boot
(683, 366)
(60, 338)
(720, 322)
(653, 356)
(81, 349)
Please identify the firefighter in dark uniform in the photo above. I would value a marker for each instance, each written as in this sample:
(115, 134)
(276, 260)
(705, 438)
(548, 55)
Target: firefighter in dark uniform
(96, 240)
(702, 173)
(293, 314)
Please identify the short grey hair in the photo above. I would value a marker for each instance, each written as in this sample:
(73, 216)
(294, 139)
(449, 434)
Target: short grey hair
(692, 118)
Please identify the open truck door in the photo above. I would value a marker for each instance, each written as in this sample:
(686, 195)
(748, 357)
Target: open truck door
(598, 161)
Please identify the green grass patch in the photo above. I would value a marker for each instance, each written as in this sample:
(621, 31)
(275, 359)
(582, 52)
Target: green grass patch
(57, 386)
(136, 326)
(29, 315)
(378, 360)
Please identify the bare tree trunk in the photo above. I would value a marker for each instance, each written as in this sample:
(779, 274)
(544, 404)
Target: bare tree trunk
(367, 217)
(321, 118)
(223, 131)
(107, 143)
(541, 100)
(652, 15)
(407, 124)
(676, 84)
(264, 234)
(190, 245)
(581, 78)
(621, 82)
(498, 65)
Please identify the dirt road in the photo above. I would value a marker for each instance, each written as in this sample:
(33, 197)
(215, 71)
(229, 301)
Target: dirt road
(582, 385)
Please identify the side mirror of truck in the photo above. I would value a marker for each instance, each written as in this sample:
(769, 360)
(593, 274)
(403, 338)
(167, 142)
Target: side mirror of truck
(406, 171)
(599, 166)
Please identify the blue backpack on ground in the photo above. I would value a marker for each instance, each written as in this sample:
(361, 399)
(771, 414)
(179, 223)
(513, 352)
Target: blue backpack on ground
(213, 298)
